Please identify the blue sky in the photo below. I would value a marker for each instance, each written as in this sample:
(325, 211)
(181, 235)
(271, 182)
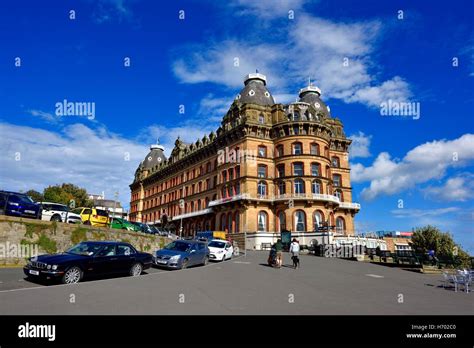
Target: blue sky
(424, 54)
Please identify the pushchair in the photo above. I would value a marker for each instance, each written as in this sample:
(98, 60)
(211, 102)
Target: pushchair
(272, 261)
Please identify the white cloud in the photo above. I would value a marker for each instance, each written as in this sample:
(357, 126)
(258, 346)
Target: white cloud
(310, 47)
(188, 132)
(419, 213)
(45, 116)
(109, 10)
(459, 188)
(227, 63)
(340, 60)
(267, 9)
(421, 164)
(214, 108)
(360, 145)
(93, 159)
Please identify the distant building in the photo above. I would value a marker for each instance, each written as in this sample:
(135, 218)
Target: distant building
(114, 208)
(396, 240)
(268, 168)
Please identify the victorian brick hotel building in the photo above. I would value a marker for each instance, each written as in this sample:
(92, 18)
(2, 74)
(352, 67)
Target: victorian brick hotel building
(269, 167)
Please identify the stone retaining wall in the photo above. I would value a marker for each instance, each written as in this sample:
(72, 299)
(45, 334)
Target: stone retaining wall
(21, 238)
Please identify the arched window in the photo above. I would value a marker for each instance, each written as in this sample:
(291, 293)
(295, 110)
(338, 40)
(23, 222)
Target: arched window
(229, 222)
(336, 178)
(224, 176)
(314, 149)
(338, 194)
(315, 169)
(316, 187)
(282, 221)
(237, 222)
(298, 169)
(299, 186)
(262, 221)
(262, 171)
(335, 161)
(340, 225)
(296, 116)
(237, 172)
(207, 202)
(262, 151)
(231, 174)
(199, 204)
(300, 221)
(281, 170)
(262, 188)
(297, 148)
(279, 151)
(223, 221)
(318, 219)
(281, 188)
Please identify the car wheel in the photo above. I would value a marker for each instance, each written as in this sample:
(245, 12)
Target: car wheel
(87, 223)
(73, 275)
(184, 265)
(136, 270)
(56, 218)
(206, 260)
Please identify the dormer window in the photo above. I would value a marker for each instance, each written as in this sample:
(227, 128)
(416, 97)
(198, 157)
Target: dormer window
(261, 119)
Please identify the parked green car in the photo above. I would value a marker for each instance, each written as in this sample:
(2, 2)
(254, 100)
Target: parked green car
(122, 224)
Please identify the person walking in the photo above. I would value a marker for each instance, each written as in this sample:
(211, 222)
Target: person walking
(279, 249)
(295, 251)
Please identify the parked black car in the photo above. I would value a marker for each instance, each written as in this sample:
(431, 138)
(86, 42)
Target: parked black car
(18, 204)
(89, 258)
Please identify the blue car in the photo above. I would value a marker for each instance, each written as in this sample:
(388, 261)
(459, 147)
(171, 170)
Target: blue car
(19, 204)
(181, 254)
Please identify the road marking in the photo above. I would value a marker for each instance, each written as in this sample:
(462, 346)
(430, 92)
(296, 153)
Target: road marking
(374, 276)
(106, 280)
(244, 262)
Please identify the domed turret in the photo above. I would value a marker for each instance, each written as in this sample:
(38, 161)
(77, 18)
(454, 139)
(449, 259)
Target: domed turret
(255, 91)
(311, 95)
(154, 157)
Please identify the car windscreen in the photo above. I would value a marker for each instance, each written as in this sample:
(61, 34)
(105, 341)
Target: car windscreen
(215, 244)
(21, 199)
(57, 207)
(87, 249)
(178, 246)
(101, 212)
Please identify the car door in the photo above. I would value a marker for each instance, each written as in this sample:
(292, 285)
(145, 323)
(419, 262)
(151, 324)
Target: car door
(228, 250)
(201, 247)
(126, 257)
(3, 202)
(105, 262)
(193, 255)
(86, 215)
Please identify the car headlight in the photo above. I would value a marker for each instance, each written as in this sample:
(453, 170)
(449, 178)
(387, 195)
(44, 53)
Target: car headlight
(30, 263)
(54, 267)
(48, 267)
(174, 258)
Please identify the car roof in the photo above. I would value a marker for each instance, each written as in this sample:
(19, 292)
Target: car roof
(53, 203)
(16, 193)
(218, 240)
(104, 242)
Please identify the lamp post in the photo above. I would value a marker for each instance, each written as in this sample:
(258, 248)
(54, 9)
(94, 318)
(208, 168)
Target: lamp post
(115, 206)
(181, 206)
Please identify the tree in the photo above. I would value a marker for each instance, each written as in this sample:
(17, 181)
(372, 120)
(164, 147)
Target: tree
(431, 238)
(35, 195)
(67, 192)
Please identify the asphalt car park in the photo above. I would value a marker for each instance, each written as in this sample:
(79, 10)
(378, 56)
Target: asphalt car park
(243, 285)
